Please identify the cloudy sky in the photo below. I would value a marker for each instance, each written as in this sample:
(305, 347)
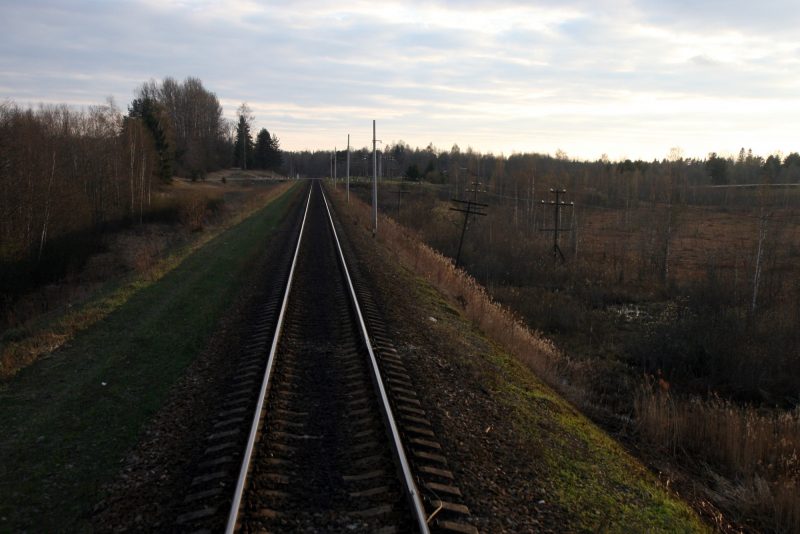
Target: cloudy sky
(629, 78)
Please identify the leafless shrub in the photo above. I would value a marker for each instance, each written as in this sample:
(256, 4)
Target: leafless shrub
(192, 210)
(139, 250)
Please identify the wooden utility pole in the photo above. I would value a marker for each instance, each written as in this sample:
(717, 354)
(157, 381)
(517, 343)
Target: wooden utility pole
(400, 192)
(335, 164)
(558, 204)
(762, 235)
(473, 207)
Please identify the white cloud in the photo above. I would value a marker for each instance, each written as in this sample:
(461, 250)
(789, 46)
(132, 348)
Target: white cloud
(586, 76)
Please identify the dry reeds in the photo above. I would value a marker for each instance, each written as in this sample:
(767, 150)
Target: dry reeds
(758, 450)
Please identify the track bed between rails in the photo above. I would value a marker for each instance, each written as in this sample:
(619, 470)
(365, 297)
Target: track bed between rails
(324, 461)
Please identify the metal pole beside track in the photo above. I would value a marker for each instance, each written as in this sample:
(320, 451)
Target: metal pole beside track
(348, 168)
(374, 184)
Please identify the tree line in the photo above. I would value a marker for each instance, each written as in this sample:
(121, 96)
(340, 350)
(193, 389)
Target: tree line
(637, 233)
(67, 175)
(185, 121)
(601, 182)
(264, 153)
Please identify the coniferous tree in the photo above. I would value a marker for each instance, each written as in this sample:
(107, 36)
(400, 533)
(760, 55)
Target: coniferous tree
(412, 173)
(191, 117)
(717, 169)
(154, 117)
(244, 147)
(772, 167)
(263, 149)
(275, 157)
(267, 151)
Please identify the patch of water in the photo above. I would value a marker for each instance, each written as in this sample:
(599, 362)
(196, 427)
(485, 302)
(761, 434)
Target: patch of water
(631, 312)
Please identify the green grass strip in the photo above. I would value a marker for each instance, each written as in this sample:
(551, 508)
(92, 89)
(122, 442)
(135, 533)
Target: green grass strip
(587, 472)
(21, 347)
(68, 419)
(583, 470)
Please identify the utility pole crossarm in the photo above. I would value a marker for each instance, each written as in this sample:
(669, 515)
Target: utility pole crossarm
(558, 204)
(473, 207)
(471, 212)
(469, 202)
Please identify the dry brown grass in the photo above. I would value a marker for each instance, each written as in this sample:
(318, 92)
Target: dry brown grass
(497, 321)
(192, 210)
(702, 237)
(757, 451)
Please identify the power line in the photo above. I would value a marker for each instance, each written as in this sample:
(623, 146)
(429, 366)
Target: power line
(400, 192)
(557, 204)
(473, 207)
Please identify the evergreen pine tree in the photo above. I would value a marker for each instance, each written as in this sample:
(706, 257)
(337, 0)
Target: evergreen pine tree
(263, 149)
(154, 117)
(244, 148)
(275, 156)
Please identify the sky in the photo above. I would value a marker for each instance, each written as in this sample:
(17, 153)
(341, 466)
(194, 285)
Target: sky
(625, 78)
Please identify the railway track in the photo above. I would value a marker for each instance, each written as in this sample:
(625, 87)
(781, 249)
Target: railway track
(336, 438)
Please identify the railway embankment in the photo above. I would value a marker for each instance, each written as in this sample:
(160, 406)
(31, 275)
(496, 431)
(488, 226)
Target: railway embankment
(526, 458)
(102, 432)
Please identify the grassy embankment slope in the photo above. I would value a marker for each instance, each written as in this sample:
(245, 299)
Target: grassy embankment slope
(137, 257)
(599, 486)
(69, 418)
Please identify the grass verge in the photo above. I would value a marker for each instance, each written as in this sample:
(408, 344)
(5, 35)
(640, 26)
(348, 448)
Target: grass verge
(592, 477)
(68, 419)
(50, 334)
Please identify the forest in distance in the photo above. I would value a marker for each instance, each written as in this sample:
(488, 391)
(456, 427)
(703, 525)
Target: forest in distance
(71, 175)
(675, 305)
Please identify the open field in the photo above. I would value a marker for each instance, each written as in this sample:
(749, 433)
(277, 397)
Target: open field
(703, 238)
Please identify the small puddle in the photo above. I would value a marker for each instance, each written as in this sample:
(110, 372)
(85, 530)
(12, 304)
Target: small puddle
(631, 312)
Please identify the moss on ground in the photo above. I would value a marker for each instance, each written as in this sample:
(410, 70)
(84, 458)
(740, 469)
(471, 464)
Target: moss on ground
(68, 419)
(590, 476)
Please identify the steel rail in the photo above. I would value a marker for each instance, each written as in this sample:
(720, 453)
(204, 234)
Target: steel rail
(233, 516)
(410, 486)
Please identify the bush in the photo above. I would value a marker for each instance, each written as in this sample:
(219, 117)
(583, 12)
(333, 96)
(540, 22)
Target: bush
(195, 207)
